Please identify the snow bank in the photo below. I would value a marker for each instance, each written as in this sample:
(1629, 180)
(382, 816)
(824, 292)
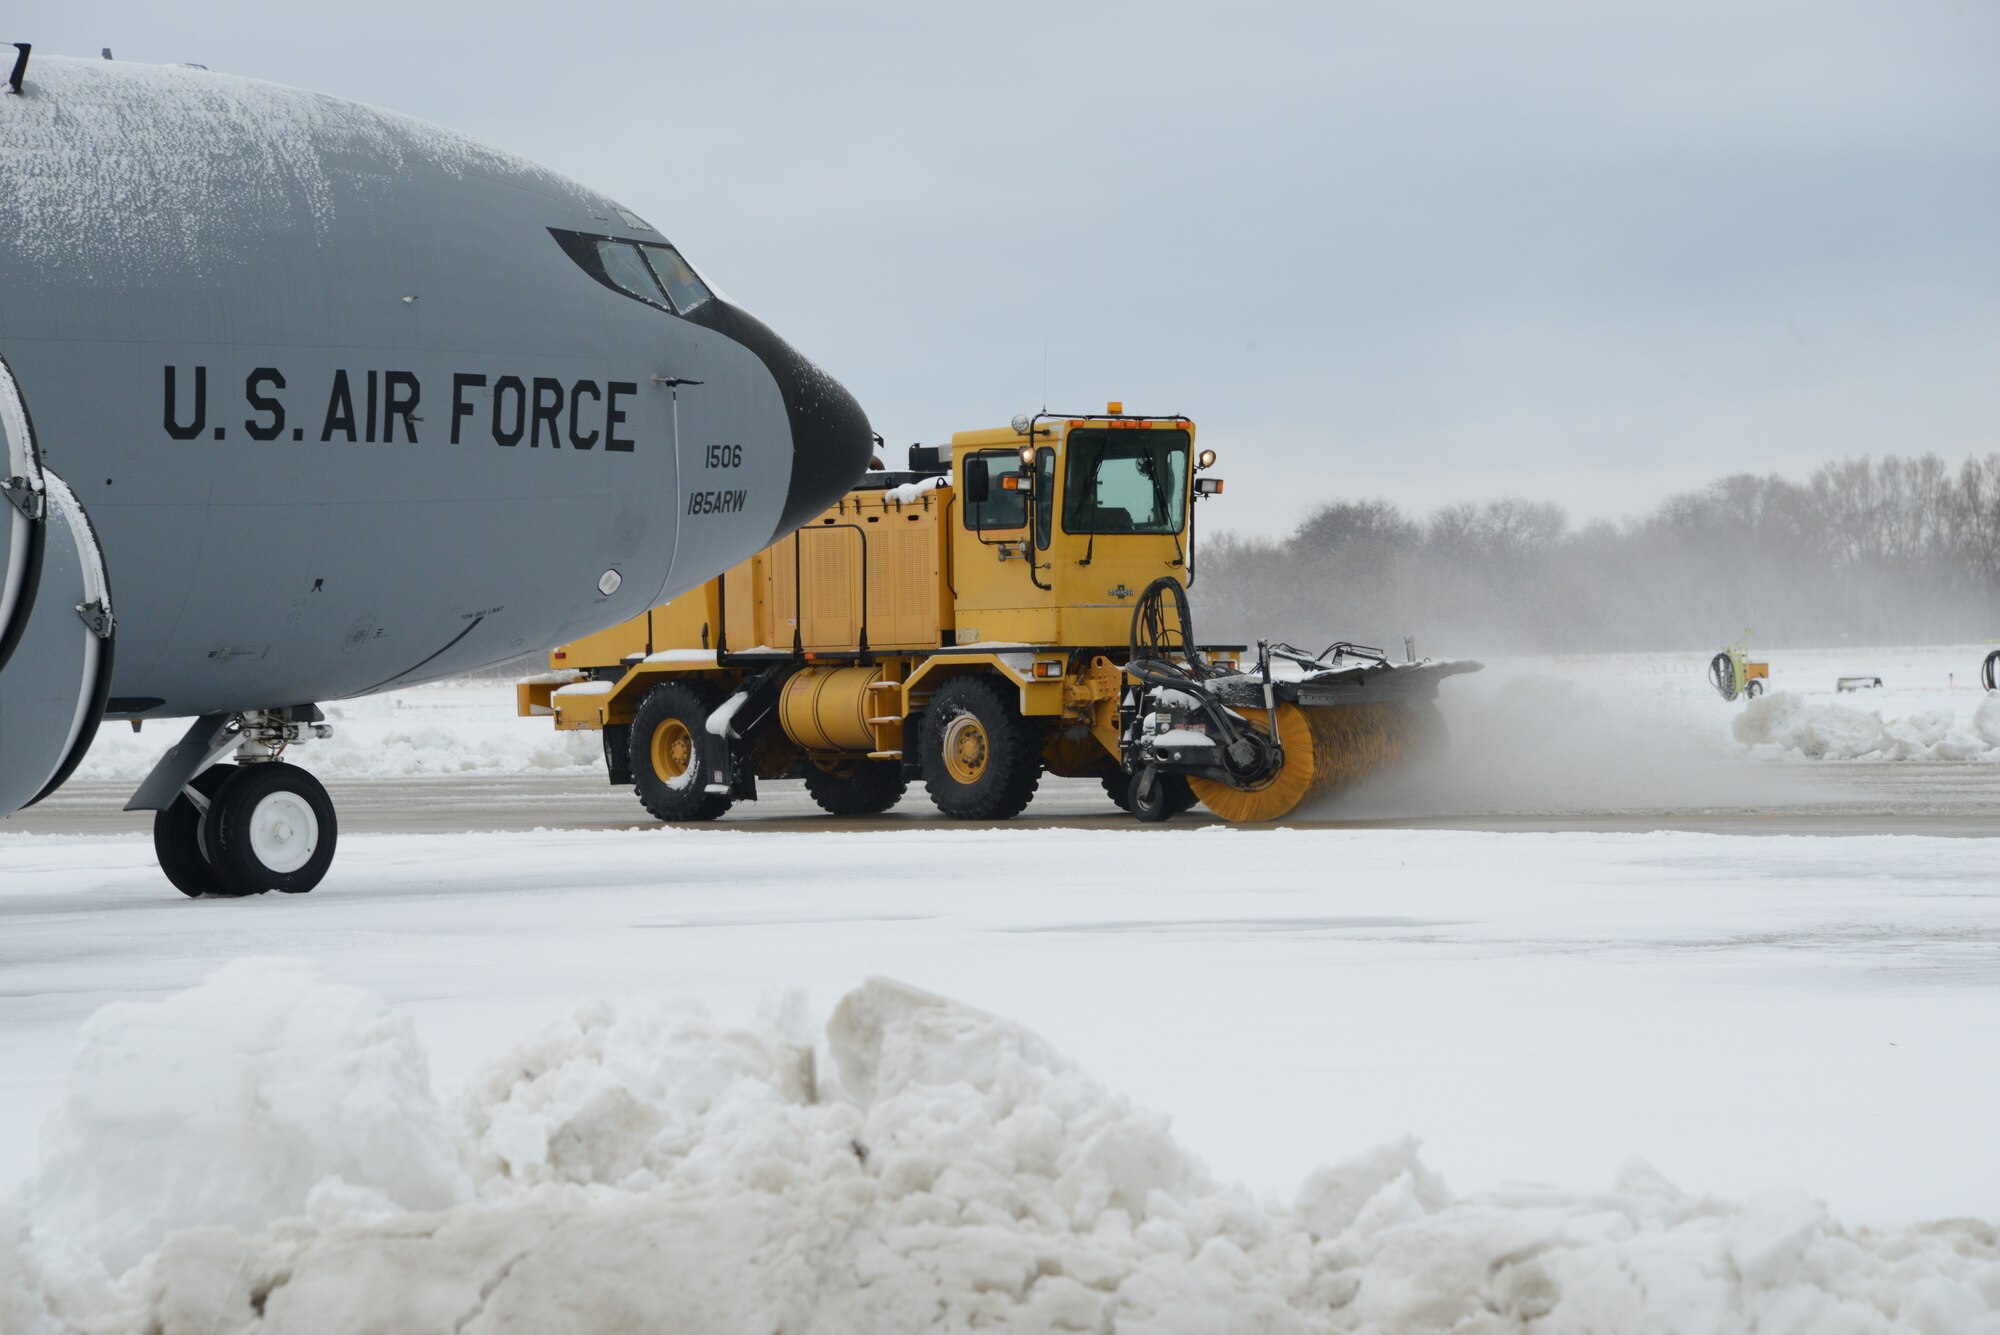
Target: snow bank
(451, 728)
(921, 1166)
(228, 1103)
(1824, 730)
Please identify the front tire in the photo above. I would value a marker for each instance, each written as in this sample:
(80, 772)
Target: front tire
(1168, 796)
(981, 759)
(673, 753)
(177, 841)
(271, 827)
(1118, 787)
(856, 787)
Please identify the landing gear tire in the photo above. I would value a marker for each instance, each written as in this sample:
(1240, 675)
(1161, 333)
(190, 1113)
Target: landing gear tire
(981, 759)
(1166, 796)
(270, 826)
(177, 841)
(672, 753)
(856, 787)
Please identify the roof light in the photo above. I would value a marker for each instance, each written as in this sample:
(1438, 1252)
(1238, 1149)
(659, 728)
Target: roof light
(1020, 424)
(1116, 407)
(1206, 459)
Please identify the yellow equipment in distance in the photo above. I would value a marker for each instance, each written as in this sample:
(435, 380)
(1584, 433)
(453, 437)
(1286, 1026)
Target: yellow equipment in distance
(1733, 674)
(975, 622)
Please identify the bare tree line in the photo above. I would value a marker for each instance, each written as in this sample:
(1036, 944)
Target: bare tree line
(1902, 550)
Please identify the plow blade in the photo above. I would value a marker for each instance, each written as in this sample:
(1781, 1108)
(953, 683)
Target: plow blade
(1328, 750)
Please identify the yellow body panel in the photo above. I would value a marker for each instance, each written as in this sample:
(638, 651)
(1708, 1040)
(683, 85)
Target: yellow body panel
(935, 598)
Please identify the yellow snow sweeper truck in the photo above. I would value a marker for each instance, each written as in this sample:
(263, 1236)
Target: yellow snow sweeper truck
(1013, 604)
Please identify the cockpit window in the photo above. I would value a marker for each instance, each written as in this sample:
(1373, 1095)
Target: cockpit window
(684, 289)
(647, 271)
(625, 268)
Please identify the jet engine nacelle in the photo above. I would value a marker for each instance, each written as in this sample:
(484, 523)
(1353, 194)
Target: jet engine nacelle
(55, 619)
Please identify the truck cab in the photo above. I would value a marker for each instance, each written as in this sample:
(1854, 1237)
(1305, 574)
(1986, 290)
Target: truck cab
(1061, 521)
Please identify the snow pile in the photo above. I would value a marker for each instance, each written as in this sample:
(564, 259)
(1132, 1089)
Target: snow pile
(451, 728)
(228, 1103)
(907, 493)
(925, 1167)
(1825, 730)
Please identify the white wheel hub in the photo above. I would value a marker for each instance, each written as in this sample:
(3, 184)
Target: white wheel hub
(283, 831)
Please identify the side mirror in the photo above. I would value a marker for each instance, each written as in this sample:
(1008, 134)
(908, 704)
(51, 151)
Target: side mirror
(977, 484)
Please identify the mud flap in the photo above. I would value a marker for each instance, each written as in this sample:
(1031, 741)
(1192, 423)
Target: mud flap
(53, 687)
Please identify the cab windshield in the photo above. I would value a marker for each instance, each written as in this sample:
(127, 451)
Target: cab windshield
(1125, 481)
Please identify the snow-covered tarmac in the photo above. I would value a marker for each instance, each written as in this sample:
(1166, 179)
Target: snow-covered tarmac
(1745, 1013)
(1754, 1016)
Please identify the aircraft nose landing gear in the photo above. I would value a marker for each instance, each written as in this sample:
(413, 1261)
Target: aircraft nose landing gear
(244, 828)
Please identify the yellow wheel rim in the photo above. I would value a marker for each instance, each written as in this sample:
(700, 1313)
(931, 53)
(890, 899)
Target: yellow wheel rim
(965, 749)
(673, 749)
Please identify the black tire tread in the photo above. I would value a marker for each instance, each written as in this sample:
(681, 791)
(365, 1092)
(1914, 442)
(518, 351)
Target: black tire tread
(691, 702)
(869, 789)
(1015, 768)
(177, 836)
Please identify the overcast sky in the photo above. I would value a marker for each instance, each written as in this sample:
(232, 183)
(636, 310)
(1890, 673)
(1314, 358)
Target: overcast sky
(1576, 251)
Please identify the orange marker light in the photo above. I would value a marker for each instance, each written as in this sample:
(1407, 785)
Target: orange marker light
(1115, 407)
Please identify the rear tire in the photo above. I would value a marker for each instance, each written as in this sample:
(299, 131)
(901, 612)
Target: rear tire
(982, 760)
(857, 787)
(177, 841)
(271, 827)
(673, 752)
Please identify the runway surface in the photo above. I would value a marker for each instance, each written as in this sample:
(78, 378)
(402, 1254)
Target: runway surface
(1826, 798)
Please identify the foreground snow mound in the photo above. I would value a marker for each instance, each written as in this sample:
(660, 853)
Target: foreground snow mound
(924, 1167)
(1822, 730)
(227, 1103)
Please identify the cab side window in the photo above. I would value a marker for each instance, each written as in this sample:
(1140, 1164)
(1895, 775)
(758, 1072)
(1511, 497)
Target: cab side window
(1045, 496)
(1000, 508)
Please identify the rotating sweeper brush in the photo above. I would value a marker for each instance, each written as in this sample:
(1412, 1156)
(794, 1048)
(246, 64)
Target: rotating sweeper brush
(1256, 745)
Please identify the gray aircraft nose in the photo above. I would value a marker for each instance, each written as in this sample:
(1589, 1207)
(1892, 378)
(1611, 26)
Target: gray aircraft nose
(831, 444)
(831, 439)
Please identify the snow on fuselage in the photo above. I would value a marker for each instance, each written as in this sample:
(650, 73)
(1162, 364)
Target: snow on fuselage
(353, 400)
